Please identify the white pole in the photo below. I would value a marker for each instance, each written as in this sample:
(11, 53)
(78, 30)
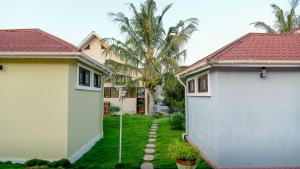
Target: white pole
(121, 121)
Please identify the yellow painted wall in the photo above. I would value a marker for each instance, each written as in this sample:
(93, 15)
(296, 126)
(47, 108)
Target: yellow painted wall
(42, 114)
(85, 114)
(33, 108)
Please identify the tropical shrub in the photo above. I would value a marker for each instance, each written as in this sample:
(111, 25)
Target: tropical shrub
(176, 121)
(173, 93)
(184, 151)
(114, 109)
(63, 163)
(36, 162)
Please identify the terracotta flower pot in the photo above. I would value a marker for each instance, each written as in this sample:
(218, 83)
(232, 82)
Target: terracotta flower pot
(183, 164)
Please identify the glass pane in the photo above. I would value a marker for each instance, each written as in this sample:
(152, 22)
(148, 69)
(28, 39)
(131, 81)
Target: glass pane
(203, 84)
(114, 93)
(97, 81)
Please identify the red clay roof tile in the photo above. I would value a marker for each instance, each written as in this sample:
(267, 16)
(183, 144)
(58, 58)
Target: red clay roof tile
(32, 40)
(257, 46)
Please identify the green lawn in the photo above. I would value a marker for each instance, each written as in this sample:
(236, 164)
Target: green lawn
(166, 136)
(105, 153)
(135, 136)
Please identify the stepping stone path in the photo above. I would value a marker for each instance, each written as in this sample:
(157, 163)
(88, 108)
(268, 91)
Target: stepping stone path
(150, 147)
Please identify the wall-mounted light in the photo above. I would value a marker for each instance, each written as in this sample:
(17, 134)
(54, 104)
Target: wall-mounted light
(263, 73)
(1, 67)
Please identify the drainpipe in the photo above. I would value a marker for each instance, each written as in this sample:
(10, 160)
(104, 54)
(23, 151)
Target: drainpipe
(186, 108)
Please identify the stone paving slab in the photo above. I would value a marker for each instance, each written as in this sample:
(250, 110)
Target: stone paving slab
(147, 165)
(153, 129)
(149, 150)
(152, 136)
(148, 157)
(151, 140)
(152, 132)
(155, 121)
(150, 145)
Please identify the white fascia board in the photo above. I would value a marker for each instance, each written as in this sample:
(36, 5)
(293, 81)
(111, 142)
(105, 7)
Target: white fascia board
(58, 55)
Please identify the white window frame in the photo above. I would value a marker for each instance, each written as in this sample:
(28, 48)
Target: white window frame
(91, 87)
(196, 93)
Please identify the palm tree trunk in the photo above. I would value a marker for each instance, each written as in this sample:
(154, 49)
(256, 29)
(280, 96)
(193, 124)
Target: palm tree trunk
(151, 102)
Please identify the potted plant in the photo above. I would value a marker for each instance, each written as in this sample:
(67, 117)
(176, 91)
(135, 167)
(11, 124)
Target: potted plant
(186, 156)
(114, 110)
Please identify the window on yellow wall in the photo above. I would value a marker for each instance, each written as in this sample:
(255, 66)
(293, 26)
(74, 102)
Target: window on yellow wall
(84, 77)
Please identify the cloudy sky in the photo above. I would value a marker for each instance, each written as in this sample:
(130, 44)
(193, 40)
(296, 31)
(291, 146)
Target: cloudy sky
(221, 21)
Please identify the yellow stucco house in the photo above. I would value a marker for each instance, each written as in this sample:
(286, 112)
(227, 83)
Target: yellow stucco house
(135, 101)
(51, 97)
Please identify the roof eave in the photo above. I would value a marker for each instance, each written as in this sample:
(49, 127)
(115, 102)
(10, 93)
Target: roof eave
(239, 63)
(59, 55)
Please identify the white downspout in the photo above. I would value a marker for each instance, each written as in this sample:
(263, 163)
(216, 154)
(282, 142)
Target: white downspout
(186, 105)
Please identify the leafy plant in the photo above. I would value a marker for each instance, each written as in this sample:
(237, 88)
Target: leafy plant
(36, 162)
(63, 163)
(176, 121)
(285, 21)
(149, 49)
(114, 109)
(184, 151)
(156, 116)
(173, 92)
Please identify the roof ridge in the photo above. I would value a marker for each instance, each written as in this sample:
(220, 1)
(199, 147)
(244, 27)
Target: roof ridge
(88, 38)
(57, 39)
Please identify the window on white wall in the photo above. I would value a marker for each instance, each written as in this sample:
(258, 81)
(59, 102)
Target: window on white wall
(202, 84)
(199, 85)
(97, 81)
(191, 86)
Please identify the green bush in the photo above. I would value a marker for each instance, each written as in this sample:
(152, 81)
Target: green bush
(177, 121)
(156, 115)
(64, 163)
(114, 109)
(184, 151)
(36, 162)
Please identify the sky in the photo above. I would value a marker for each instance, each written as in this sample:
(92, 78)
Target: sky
(220, 21)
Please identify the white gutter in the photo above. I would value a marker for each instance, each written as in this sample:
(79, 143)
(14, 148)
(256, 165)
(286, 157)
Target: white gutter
(240, 63)
(185, 104)
(194, 71)
(58, 55)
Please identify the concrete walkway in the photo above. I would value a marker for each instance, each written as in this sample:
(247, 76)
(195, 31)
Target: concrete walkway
(150, 147)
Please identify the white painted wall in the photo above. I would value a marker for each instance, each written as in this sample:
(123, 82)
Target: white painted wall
(249, 121)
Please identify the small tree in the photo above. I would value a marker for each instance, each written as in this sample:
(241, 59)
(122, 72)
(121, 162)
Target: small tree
(173, 93)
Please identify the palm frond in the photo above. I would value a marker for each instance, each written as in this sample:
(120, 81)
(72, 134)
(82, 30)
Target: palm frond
(122, 68)
(264, 26)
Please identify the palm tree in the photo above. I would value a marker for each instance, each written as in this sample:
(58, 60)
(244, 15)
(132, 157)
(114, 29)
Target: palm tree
(285, 21)
(148, 50)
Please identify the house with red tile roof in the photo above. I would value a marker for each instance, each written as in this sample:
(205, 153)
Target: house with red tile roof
(51, 97)
(136, 99)
(242, 102)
